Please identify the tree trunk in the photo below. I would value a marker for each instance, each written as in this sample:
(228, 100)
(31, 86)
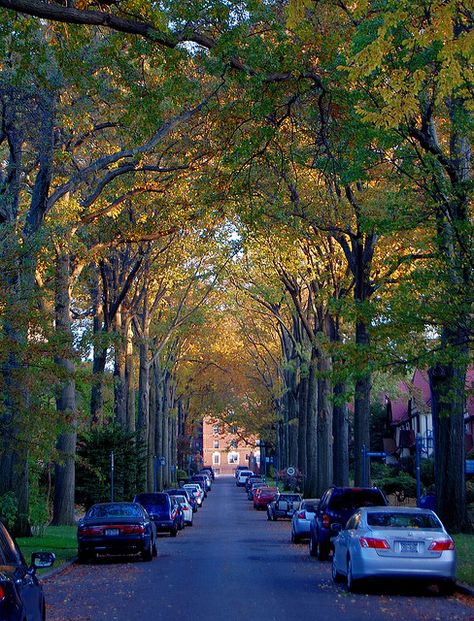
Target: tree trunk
(99, 356)
(324, 427)
(65, 468)
(311, 479)
(447, 383)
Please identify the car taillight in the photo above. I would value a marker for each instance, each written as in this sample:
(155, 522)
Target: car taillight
(441, 545)
(301, 515)
(91, 531)
(371, 542)
(326, 520)
(2, 593)
(129, 529)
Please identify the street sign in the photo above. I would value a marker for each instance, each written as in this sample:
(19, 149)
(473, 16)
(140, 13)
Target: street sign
(162, 461)
(290, 471)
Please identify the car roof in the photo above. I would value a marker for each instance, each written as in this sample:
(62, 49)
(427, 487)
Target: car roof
(396, 509)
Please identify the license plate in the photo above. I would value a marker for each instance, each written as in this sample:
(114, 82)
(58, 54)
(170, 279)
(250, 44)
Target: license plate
(408, 546)
(112, 532)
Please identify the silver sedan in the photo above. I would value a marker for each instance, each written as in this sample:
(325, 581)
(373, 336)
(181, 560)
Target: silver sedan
(394, 542)
(302, 518)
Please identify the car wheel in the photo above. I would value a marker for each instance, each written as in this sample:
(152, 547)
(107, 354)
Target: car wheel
(155, 549)
(173, 532)
(312, 547)
(446, 587)
(322, 551)
(82, 557)
(147, 553)
(336, 576)
(269, 517)
(350, 582)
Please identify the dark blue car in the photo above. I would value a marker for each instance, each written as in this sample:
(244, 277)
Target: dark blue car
(116, 528)
(165, 514)
(21, 595)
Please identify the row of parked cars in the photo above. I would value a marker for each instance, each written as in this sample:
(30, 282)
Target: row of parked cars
(366, 537)
(119, 528)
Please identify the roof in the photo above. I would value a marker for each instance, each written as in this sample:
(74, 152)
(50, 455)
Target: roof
(419, 391)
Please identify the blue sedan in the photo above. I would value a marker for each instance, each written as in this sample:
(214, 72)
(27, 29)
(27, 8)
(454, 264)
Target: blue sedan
(116, 528)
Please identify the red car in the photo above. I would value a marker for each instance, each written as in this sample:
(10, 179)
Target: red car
(264, 496)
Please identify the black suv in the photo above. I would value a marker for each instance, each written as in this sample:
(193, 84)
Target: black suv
(336, 506)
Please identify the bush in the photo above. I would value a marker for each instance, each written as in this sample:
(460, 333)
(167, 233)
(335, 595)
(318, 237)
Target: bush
(8, 509)
(394, 481)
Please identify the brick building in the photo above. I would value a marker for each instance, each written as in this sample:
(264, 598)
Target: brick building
(225, 451)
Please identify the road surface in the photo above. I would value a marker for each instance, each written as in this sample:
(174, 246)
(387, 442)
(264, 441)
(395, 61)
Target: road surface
(232, 565)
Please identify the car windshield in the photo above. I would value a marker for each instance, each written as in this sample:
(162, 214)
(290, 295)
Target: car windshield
(309, 507)
(114, 510)
(290, 497)
(403, 520)
(355, 499)
(153, 500)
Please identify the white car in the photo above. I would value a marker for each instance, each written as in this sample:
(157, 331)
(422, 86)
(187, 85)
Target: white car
(196, 490)
(242, 477)
(186, 508)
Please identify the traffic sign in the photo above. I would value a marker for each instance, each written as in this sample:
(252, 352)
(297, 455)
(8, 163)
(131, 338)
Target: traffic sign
(290, 471)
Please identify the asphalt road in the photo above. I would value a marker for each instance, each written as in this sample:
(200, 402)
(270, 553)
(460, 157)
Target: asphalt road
(232, 565)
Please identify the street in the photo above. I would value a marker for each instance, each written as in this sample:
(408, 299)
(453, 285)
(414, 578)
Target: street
(231, 565)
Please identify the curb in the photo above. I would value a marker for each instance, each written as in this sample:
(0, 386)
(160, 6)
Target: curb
(464, 588)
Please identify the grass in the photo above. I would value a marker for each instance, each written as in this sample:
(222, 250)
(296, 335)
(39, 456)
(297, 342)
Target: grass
(58, 539)
(465, 550)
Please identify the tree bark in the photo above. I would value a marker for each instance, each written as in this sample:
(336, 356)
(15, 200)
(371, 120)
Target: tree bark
(65, 467)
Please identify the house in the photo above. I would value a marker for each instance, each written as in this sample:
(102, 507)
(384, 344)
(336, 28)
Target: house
(410, 415)
(224, 449)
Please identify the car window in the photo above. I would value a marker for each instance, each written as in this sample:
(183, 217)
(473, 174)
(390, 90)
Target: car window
(309, 507)
(403, 520)
(155, 500)
(9, 555)
(114, 510)
(354, 499)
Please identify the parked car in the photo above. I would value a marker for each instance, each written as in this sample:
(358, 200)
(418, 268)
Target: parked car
(264, 496)
(203, 482)
(300, 522)
(254, 487)
(284, 505)
(183, 492)
(116, 528)
(238, 469)
(186, 509)
(196, 491)
(21, 594)
(165, 515)
(394, 542)
(209, 470)
(176, 507)
(254, 478)
(242, 477)
(335, 508)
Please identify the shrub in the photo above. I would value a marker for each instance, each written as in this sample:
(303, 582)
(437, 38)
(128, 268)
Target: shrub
(8, 509)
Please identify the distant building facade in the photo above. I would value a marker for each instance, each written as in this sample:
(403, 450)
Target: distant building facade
(224, 451)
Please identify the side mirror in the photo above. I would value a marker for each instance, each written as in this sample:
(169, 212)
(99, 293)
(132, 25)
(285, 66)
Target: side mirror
(41, 560)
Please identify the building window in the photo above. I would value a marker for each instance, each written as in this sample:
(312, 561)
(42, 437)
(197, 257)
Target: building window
(233, 458)
(216, 459)
(216, 443)
(233, 444)
(216, 428)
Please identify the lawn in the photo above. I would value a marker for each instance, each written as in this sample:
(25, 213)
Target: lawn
(465, 550)
(58, 539)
